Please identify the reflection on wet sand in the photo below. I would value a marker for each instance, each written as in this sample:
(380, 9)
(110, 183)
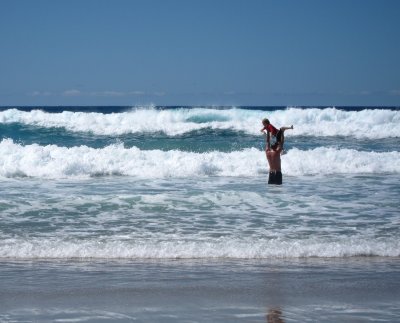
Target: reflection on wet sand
(275, 316)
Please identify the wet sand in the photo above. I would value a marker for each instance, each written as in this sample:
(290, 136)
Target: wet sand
(317, 290)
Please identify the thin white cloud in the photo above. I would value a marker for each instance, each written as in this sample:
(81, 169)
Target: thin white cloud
(40, 93)
(107, 93)
(72, 93)
(137, 93)
(128, 93)
(158, 93)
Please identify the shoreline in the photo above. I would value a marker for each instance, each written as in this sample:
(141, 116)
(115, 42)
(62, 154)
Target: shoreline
(363, 288)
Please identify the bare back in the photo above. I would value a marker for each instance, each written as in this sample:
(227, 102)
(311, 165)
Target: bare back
(274, 159)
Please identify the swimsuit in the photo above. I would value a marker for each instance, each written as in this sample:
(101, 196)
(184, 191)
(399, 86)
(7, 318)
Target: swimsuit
(278, 134)
(275, 177)
(270, 128)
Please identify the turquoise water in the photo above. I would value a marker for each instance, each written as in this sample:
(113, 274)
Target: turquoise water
(227, 217)
(109, 187)
(191, 183)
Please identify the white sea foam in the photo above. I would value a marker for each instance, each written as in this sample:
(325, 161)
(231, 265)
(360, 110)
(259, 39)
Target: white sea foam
(60, 162)
(376, 123)
(201, 249)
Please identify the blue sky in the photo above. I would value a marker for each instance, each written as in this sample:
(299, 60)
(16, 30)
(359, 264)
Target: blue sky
(186, 52)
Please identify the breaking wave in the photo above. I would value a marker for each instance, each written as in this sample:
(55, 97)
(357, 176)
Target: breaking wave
(212, 248)
(368, 123)
(53, 161)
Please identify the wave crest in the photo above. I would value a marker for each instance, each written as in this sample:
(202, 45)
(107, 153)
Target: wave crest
(368, 123)
(60, 162)
(181, 249)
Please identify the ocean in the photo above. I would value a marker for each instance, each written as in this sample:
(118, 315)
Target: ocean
(164, 214)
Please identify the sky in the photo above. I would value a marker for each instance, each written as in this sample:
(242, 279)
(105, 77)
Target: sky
(204, 52)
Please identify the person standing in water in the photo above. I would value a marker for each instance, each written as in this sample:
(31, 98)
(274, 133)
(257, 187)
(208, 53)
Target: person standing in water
(274, 161)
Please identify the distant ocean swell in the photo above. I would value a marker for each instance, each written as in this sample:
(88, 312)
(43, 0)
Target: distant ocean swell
(368, 123)
(52, 161)
(53, 248)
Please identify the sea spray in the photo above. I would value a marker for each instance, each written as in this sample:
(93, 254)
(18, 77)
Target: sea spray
(377, 123)
(52, 161)
(55, 248)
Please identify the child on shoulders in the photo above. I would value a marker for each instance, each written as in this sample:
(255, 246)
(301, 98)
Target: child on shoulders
(278, 134)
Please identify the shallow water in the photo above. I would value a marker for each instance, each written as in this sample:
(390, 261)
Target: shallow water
(155, 214)
(218, 217)
(351, 290)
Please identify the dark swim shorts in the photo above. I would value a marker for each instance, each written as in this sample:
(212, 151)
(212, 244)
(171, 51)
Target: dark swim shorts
(275, 177)
(279, 136)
